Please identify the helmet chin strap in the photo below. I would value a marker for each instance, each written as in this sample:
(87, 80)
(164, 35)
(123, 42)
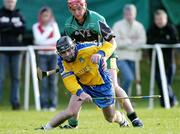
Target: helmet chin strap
(71, 60)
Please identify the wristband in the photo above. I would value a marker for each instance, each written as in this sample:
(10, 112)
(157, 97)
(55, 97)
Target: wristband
(102, 53)
(79, 92)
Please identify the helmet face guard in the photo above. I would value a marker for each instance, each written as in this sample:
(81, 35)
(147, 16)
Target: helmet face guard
(66, 48)
(64, 43)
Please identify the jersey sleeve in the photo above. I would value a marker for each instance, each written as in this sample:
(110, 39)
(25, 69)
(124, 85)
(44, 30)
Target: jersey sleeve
(69, 79)
(103, 20)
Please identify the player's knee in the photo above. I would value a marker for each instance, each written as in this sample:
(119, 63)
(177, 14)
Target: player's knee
(70, 113)
(117, 88)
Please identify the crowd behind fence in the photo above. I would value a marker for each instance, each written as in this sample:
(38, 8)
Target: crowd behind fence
(31, 66)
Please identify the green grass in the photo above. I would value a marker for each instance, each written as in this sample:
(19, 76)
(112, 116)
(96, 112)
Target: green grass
(157, 121)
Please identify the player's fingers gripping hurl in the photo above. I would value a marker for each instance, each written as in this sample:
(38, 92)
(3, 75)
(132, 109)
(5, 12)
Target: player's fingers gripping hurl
(85, 97)
(39, 73)
(95, 58)
(104, 64)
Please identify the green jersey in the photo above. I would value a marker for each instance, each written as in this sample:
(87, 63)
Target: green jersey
(88, 31)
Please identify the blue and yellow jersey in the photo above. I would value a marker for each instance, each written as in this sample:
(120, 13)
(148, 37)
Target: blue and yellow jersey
(82, 70)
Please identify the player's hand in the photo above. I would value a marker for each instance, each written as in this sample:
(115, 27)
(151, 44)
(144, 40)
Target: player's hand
(85, 97)
(104, 64)
(95, 58)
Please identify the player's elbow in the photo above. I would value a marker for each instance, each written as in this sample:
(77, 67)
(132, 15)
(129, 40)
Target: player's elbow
(113, 47)
(114, 44)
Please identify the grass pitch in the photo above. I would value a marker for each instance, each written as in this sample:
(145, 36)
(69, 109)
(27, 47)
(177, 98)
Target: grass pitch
(156, 121)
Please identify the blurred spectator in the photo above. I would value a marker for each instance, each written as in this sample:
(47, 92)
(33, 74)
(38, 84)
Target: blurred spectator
(164, 33)
(46, 33)
(11, 31)
(130, 35)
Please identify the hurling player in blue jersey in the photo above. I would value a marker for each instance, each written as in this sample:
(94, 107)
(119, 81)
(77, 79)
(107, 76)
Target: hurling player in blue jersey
(86, 78)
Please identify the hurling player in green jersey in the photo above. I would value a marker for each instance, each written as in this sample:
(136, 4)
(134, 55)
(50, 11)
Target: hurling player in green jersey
(88, 26)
